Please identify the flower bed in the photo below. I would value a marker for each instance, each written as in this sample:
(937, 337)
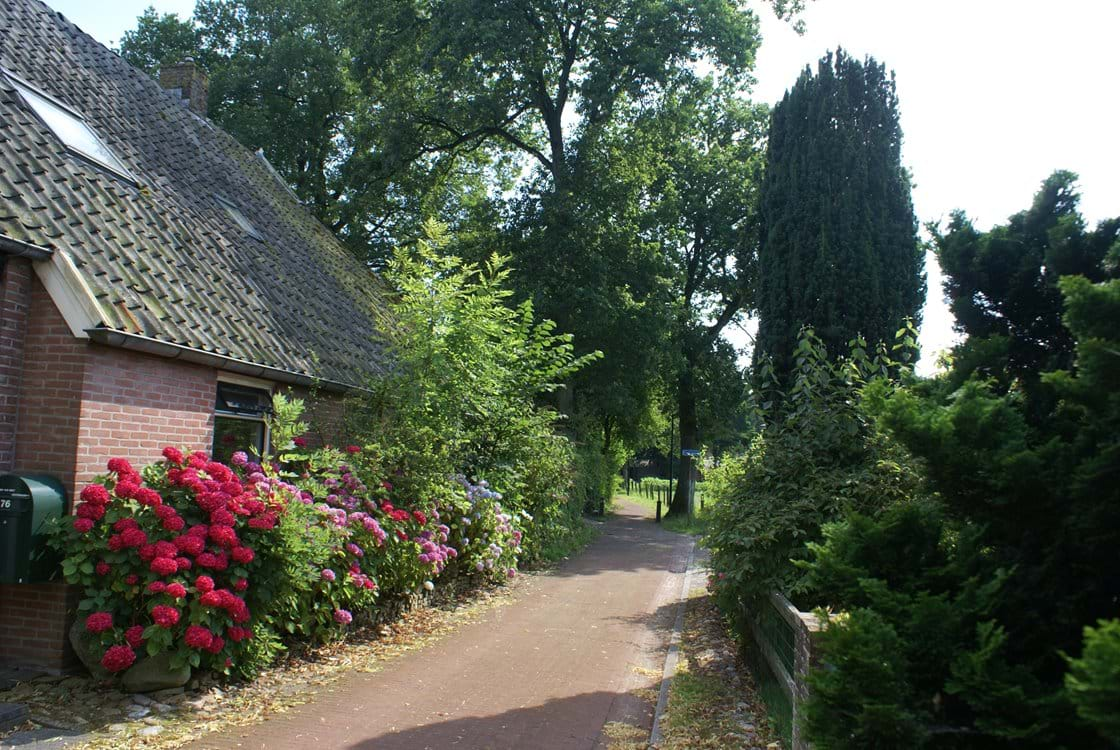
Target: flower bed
(216, 566)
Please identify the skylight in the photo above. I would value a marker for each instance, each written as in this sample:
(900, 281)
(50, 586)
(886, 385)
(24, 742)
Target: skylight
(69, 127)
(239, 218)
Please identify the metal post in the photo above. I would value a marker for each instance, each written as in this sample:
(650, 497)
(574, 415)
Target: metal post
(658, 518)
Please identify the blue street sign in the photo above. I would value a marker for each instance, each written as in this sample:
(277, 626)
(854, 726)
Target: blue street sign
(690, 452)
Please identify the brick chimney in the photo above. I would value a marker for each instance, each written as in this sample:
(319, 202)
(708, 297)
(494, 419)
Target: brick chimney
(187, 82)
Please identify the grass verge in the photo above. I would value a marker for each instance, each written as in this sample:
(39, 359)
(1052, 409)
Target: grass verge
(713, 702)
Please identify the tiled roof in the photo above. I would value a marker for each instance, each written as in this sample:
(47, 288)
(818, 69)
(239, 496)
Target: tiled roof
(164, 259)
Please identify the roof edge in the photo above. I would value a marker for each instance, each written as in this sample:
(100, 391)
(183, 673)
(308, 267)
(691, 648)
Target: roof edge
(21, 249)
(168, 350)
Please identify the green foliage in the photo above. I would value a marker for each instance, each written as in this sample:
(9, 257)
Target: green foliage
(860, 700)
(1093, 680)
(987, 583)
(818, 460)
(839, 247)
(463, 395)
(1003, 285)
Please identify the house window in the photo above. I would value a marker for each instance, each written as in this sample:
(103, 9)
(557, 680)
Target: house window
(69, 127)
(240, 414)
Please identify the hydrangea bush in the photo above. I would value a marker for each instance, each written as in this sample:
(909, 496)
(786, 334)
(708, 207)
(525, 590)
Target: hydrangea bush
(218, 564)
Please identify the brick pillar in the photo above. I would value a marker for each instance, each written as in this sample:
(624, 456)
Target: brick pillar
(15, 297)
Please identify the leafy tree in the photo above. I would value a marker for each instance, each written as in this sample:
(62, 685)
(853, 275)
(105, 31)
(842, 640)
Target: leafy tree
(839, 246)
(704, 144)
(159, 40)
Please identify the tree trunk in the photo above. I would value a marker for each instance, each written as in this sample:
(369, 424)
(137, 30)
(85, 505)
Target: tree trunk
(686, 415)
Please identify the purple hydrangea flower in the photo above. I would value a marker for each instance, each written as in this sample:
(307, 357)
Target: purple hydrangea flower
(327, 574)
(343, 616)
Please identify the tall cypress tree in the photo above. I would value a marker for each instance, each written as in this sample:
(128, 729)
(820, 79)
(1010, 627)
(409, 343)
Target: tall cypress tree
(840, 247)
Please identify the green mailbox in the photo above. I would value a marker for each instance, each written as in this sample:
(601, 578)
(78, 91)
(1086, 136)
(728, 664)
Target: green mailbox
(27, 502)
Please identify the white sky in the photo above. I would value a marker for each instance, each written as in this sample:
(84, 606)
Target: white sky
(994, 96)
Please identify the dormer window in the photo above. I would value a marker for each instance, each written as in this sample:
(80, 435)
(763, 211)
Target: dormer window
(239, 218)
(69, 127)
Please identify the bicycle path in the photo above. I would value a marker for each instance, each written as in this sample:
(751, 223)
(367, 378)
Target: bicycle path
(582, 647)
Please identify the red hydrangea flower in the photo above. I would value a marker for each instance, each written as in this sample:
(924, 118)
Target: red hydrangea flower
(166, 549)
(115, 542)
(219, 471)
(164, 566)
(198, 637)
(134, 537)
(94, 494)
(124, 488)
(157, 587)
(241, 584)
(198, 460)
(82, 525)
(351, 449)
(420, 517)
(165, 616)
(99, 622)
(120, 465)
(132, 579)
(204, 584)
(238, 634)
(402, 536)
(135, 636)
(301, 442)
(90, 511)
(242, 554)
(216, 644)
(147, 552)
(125, 524)
(223, 535)
(232, 488)
(118, 658)
(174, 455)
(200, 530)
(222, 517)
(211, 599)
(183, 563)
(176, 590)
(212, 501)
(102, 568)
(263, 523)
(148, 496)
(213, 561)
(190, 544)
(173, 523)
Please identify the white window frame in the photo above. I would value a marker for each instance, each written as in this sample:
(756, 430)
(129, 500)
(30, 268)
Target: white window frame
(23, 87)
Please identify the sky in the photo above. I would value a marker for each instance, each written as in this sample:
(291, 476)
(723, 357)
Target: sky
(994, 95)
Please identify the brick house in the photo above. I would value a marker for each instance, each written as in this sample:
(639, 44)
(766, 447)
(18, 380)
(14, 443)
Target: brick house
(158, 281)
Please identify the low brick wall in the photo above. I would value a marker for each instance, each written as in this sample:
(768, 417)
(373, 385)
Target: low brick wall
(34, 620)
(784, 638)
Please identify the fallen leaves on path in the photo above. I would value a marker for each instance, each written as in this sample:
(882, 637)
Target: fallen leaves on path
(713, 702)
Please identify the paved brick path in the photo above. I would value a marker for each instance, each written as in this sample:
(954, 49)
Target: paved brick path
(547, 671)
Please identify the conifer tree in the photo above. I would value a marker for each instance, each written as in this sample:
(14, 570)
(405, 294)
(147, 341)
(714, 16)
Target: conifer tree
(839, 248)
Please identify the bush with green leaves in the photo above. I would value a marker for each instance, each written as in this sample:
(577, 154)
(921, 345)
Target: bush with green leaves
(464, 394)
(1093, 680)
(817, 459)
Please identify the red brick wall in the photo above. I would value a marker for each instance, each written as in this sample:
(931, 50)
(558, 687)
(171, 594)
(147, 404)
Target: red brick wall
(50, 393)
(135, 404)
(79, 405)
(15, 296)
(33, 625)
(326, 414)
